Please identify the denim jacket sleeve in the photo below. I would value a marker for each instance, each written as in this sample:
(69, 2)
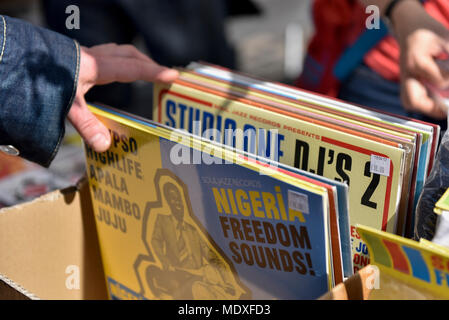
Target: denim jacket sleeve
(38, 79)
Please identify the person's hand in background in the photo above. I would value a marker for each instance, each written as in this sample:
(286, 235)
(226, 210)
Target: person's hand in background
(105, 64)
(422, 40)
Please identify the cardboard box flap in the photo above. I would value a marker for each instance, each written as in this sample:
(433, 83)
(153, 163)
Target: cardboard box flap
(49, 246)
(354, 288)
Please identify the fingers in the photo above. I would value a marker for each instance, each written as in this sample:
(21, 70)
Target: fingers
(422, 57)
(125, 50)
(425, 67)
(125, 69)
(424, 72)
(415, 97)
(93, 132)
(105, 64)
(125, 63)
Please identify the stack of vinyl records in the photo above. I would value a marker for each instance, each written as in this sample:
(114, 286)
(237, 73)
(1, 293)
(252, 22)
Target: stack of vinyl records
(243, 188)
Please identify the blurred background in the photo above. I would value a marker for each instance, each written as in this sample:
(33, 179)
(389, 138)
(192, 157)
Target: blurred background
(264, 38)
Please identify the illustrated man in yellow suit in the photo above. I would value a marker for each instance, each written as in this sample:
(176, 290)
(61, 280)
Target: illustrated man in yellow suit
(190, 267)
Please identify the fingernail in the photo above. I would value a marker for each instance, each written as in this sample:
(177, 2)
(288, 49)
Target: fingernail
(170, 75)
(99, 142)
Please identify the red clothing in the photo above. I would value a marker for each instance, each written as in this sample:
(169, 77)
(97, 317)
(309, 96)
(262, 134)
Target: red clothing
(339, 24)
(384, 58)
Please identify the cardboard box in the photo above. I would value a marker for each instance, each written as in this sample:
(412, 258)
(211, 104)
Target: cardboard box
(371, 284)
(49, 248)
(354, 288)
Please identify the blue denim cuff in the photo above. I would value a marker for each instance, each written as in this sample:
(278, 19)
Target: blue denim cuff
(38, 79)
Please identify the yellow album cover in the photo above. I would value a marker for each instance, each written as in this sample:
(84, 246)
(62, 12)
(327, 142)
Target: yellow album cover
(178, 218)
(412, 265)
(442, 204)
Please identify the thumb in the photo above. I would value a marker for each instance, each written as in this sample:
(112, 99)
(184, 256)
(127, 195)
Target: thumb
(93, 132)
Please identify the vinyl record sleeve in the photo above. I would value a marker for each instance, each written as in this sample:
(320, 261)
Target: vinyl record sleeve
(248, 231)
(307, 144)
(409, 140)
(338, 204)
(408, 263)
(430, 132)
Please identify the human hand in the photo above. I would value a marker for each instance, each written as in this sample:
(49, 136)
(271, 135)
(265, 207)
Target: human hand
(422, 41)
(105, 64)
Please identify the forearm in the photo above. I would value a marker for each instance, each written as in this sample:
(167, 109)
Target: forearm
(407, 16)
(38, 75)
(382, 4)
(404, 11)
